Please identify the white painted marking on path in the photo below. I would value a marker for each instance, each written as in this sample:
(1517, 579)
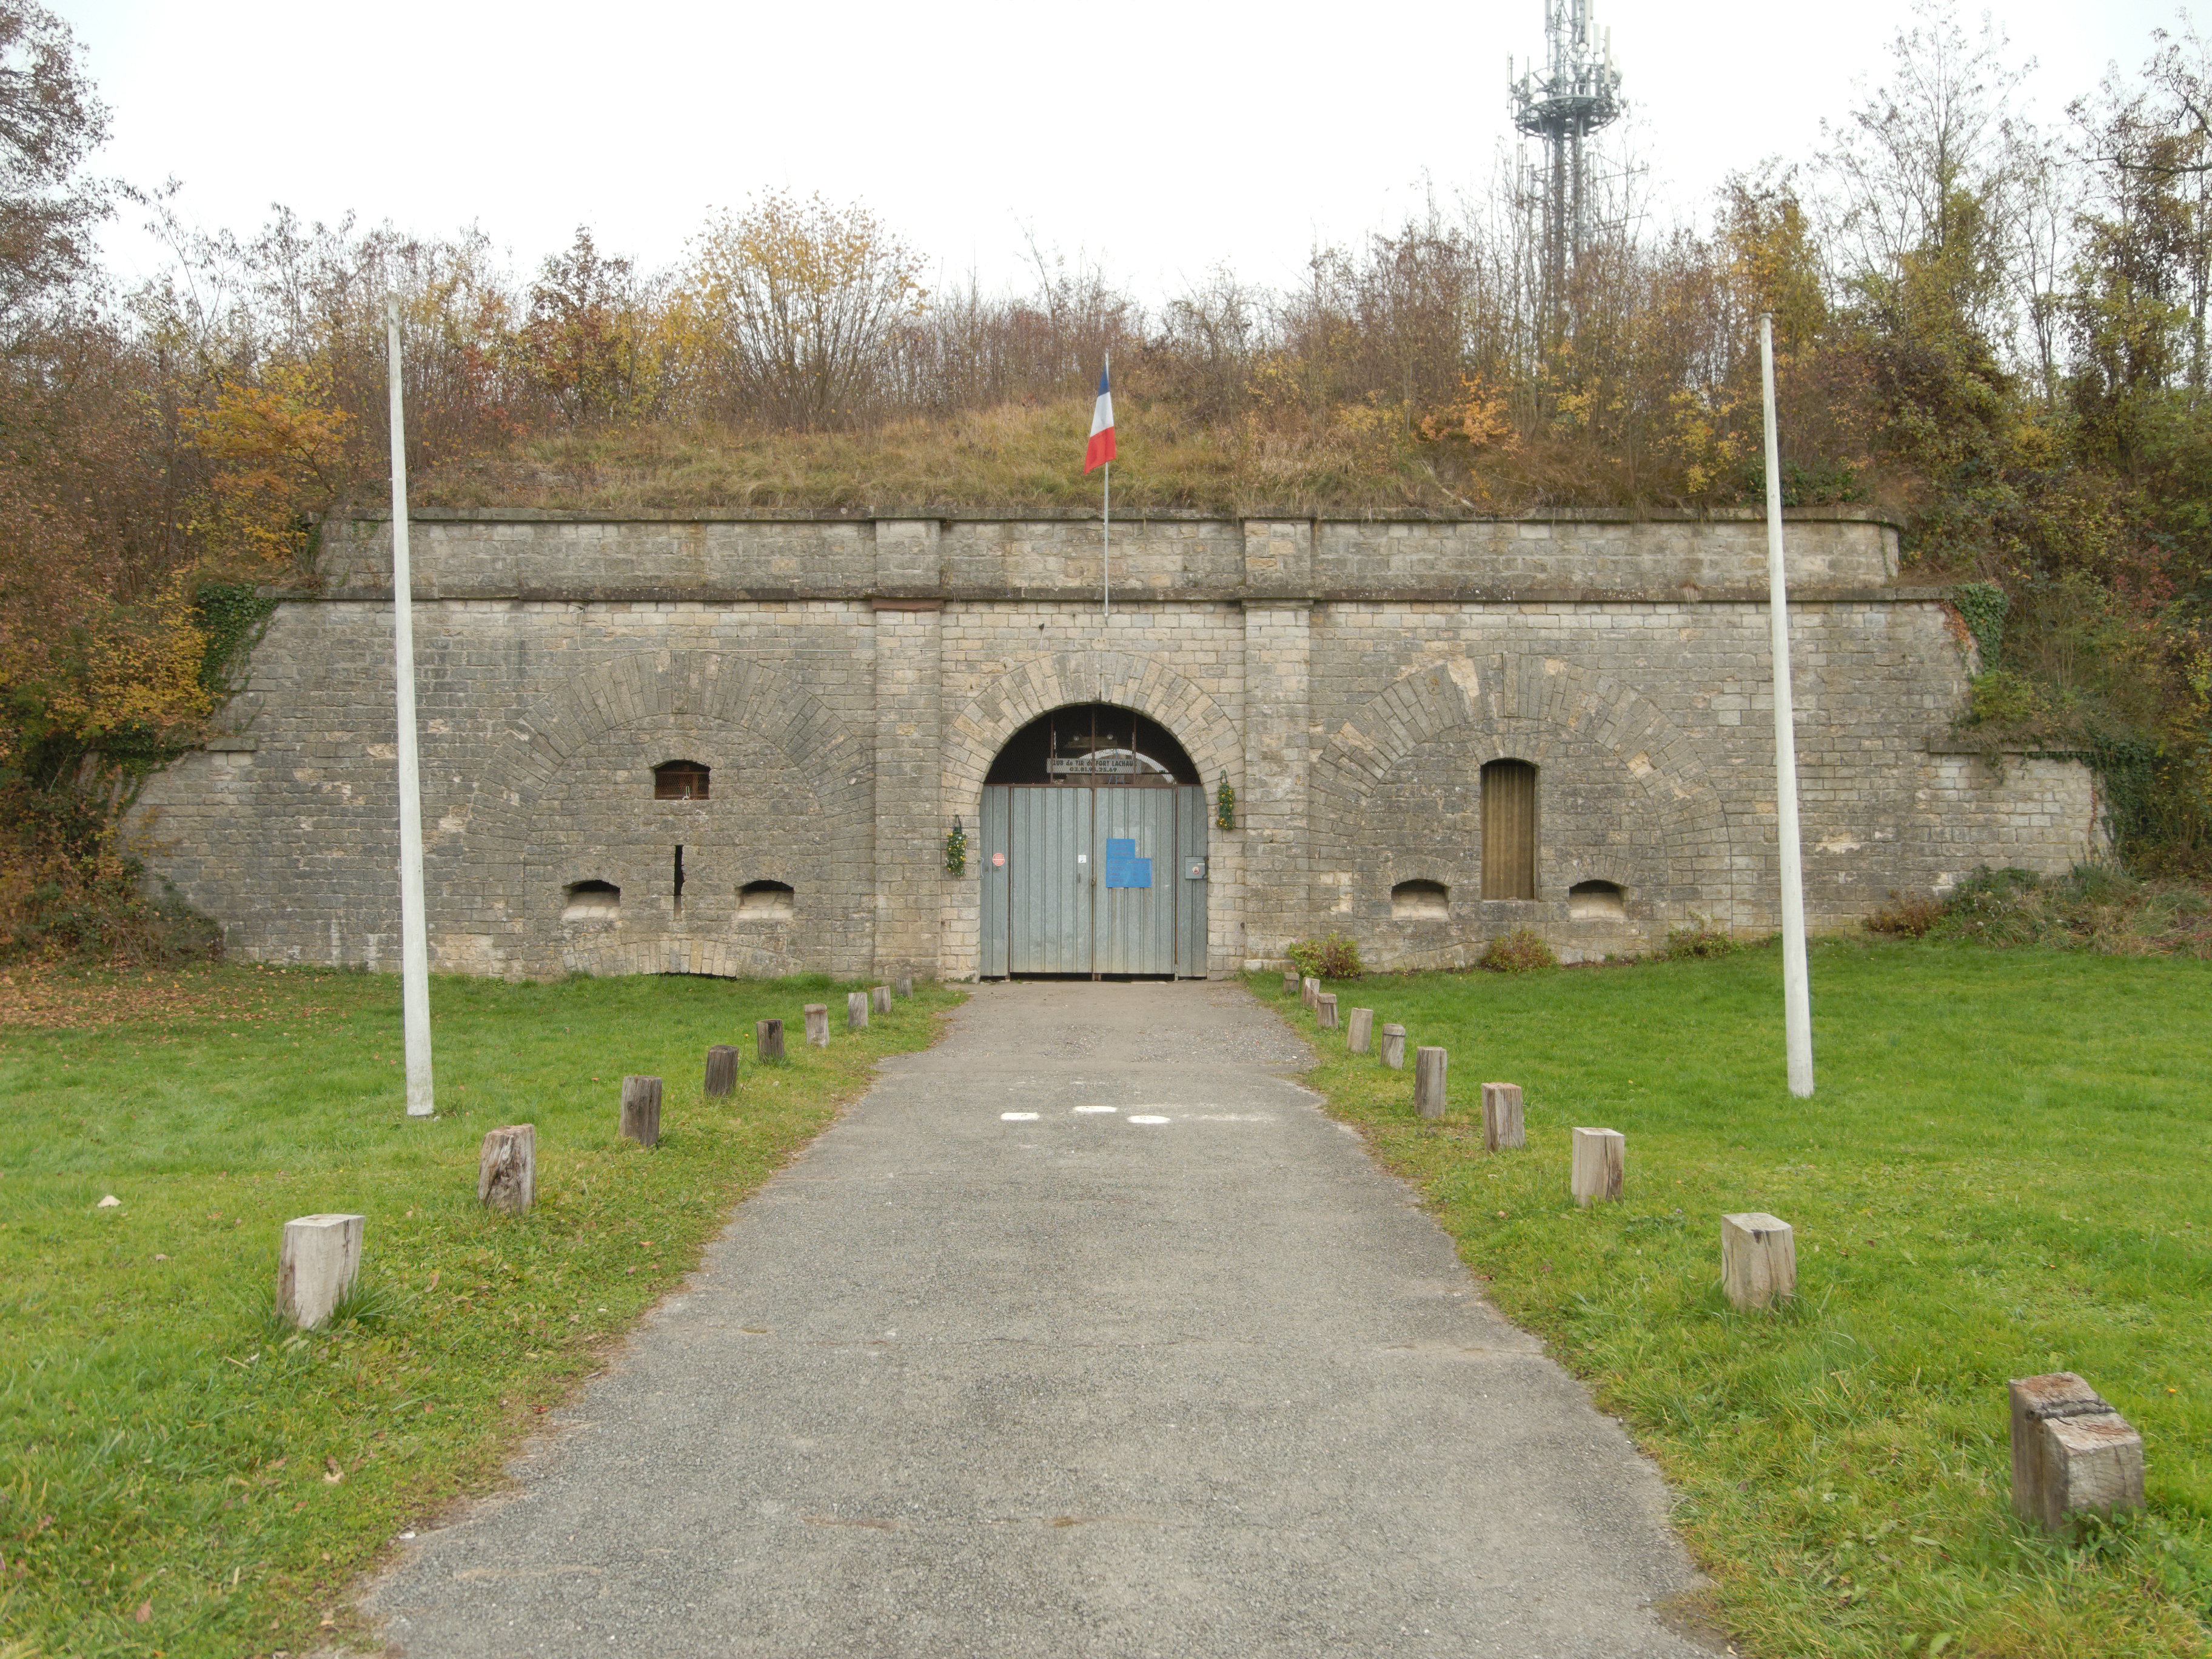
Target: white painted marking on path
(1099, 1108)
(1017, 1117)
(1148, 1119)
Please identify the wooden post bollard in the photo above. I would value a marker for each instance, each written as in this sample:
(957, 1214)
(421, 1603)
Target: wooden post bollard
(1501, 1123)
(721, 1068)
(1600, 1165)
(768, 1041)
(1309, 992)
(1359, 1032)
(905, 990)
(856, 1011)
(1758, 1259)
(1394, 1047)
(1293, 985)
(882, 995)
(507, 1168)
(316, 1266)
(2071, 1453)
(817, 1024)
(1429, 1066)
(1325, 1010)
(640, 1110)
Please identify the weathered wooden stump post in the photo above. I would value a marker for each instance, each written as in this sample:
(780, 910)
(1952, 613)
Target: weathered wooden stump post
(640, 1110)
(721, 1069)
(1501, 1124)
(2071, 1453)
(905, 990)
(1291, 983)
(882, 998)
(1359, 1033)
(1309, 992)
(1394, 1047)
(817, 1024)
(507, 1168)
(316, 1266)
(856, 1011)
(1325, 1010)
(1429, 1066)
(768, 1041)
(1600, 1165)
(1759, 1259)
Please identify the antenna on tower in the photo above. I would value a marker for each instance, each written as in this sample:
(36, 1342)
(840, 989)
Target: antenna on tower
(1576, 92)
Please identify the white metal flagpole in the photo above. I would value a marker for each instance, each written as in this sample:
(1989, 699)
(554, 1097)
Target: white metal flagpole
(1797, 992)
(1106, 514)
(413, 932)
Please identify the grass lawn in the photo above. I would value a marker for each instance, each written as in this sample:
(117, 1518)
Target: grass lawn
(2005, 1172)
(178, 1474)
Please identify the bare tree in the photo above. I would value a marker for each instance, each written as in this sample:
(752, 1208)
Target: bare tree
(1928, 173)
(792, 309)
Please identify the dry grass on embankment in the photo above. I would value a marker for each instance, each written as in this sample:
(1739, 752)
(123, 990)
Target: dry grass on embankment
(1027, 456)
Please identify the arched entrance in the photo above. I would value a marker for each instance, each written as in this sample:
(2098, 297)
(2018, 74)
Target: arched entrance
(1093, 850)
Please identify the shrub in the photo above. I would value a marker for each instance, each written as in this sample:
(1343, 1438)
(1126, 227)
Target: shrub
(1336, 957)
(69, 892)
(1996, 908)
(2002, 699)
(1905, 918)
(1516, 952)
(1702, 936)
(2094, 907)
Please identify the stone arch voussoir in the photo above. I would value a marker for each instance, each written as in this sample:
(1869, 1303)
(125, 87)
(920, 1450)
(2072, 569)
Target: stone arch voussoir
(1127, 679)
(636, 690)
(1523, 708)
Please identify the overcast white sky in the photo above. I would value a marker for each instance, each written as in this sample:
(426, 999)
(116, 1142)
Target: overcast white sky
(1164, 138)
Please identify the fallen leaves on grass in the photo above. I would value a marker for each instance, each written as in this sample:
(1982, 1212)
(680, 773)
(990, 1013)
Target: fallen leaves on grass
(67, 1000)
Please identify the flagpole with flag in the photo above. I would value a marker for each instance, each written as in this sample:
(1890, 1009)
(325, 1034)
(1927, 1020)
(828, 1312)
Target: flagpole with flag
(1099, 454)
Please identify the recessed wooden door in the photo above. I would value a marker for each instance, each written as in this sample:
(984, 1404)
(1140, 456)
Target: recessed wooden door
(1509, 831)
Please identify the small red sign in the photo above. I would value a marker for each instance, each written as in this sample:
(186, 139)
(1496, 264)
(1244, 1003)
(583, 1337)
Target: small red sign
(998, 860)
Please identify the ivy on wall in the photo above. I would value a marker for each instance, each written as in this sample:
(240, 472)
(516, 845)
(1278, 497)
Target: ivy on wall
(1984, 605)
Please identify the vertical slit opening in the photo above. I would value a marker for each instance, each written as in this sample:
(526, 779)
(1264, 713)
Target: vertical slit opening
(679, 879)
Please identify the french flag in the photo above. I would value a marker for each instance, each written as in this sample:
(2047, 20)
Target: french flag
(1100, 449)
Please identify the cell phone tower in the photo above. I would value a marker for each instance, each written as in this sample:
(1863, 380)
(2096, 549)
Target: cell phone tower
(1575, 92)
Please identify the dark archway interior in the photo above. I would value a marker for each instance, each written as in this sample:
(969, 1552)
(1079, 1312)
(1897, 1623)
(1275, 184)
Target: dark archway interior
(1092, 742)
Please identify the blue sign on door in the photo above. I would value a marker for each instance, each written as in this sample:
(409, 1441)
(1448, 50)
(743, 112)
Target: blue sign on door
(1124, 868)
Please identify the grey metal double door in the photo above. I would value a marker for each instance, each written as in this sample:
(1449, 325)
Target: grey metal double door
(1091, 880)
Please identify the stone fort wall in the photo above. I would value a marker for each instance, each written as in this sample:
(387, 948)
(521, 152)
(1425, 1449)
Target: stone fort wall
(850, 680)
